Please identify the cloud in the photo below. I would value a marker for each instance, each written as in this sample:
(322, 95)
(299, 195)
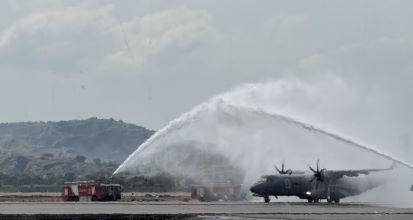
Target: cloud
(148, 61)
(59, 40)
(312, 61)
(141, 38)
(381, 55)
(79, 37)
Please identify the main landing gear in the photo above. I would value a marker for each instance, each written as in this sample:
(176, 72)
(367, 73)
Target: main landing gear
(310, 200)
(331, 200)
(266, 199)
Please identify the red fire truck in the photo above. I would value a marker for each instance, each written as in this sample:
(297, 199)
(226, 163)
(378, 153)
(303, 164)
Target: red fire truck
(90, 191)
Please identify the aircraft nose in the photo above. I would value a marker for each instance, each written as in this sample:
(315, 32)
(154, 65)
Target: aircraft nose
(252, 189)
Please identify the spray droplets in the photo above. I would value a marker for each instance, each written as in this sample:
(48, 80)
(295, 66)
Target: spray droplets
(225, 140)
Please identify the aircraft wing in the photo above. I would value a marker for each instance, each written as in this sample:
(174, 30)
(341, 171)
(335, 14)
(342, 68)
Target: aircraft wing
(337, 174)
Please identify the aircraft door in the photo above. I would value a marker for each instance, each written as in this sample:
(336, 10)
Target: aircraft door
(297, 189)
(287, 186)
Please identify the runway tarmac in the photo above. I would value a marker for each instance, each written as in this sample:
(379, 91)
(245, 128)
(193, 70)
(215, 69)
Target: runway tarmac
(204, 211)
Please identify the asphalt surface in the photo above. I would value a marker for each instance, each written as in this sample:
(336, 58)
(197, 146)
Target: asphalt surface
(216, 210)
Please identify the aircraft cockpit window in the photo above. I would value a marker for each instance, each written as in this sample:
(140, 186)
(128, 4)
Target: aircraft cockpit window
(262, 180)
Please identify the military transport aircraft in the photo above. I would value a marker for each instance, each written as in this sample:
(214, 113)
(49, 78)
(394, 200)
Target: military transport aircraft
(320, 184)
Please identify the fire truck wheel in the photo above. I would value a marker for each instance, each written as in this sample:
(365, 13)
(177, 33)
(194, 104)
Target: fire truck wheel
(94, 198)
(73, 199)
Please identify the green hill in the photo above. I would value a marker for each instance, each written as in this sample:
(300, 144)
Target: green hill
(106, 139)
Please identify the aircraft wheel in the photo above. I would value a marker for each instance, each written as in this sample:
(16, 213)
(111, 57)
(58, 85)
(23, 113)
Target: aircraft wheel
(329, 200)
(337, 200)
(266, 199)
(316, 200)
(310, 200)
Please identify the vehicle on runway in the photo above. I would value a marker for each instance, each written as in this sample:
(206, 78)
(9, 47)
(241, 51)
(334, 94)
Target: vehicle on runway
(315, 186)
(90, 191)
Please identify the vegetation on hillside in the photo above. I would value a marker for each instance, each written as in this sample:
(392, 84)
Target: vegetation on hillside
(48, 173)
(106, 139)
(41, 156)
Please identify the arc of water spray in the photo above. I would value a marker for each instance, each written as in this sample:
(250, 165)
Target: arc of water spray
(192, 115)
(172, 125)
(330, 134)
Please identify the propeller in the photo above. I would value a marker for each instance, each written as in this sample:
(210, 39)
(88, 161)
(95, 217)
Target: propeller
(283, 171)
(318, 174)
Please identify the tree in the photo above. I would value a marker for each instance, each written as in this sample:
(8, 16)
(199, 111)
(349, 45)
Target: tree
(97, 161)
(21, 163)
(80, 159)
(69, 176)
(47, 156)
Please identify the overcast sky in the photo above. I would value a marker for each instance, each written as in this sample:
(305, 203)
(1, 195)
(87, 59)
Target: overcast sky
(146, 62)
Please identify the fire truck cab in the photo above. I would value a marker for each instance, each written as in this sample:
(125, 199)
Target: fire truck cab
(90, 191)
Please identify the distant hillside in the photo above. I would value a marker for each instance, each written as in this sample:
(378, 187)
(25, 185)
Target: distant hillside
(47, 167)
(93, 138)
(47, 173)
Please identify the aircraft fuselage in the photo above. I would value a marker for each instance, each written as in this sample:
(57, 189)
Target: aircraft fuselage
(302, 186)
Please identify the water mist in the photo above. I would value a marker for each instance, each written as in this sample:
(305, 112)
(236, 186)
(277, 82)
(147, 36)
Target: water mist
(225, 136)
